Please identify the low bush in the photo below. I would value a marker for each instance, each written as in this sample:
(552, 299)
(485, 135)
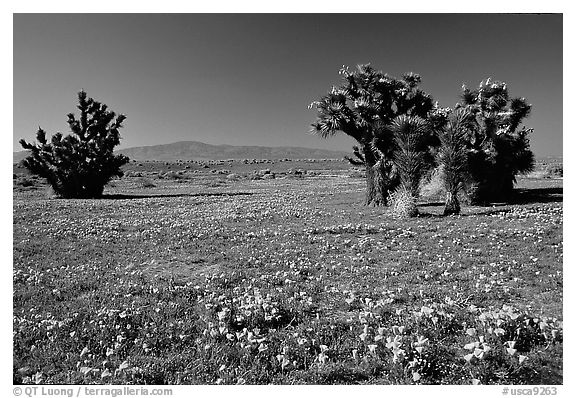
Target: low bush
(146, 182)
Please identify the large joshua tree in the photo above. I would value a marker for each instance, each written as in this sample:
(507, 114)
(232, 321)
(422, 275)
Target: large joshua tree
(499, 147)
(366, 100)
(79, 165)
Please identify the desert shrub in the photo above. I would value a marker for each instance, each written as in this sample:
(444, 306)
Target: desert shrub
(171, 175)
(24, 181)
(355, 173)
(216, 183)
(80, 164)
(146, 183)
(554, 170)
(433, 185)
(403, 203)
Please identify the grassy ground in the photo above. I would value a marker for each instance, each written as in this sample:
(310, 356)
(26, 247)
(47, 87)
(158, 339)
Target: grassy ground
(190, 276)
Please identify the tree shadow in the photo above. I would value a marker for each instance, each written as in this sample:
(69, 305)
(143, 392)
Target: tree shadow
(175, 195)
(536, 195)
(430, 204)
(520, 196)
(429, 215)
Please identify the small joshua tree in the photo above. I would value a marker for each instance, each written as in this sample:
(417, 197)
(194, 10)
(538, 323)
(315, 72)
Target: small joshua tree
(453, 156)
(410, 138)
(80, 164)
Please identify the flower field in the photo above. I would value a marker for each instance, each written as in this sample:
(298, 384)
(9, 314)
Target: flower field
(284, 280)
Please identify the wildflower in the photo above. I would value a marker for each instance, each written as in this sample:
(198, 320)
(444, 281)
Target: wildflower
(223, 314)
(522, 358)
(84, 351)
(426, 310)
(105, 374)
(478, 353)
(397, 329)
(282, 360)
(397, 352)
(422, 341)
(471, 332)
(471, 346)
(419, 345)
(85, 370)
(499, 331)
(394, 344)
(364, 334)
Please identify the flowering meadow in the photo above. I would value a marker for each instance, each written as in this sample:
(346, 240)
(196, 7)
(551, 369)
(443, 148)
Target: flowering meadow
(283, 280)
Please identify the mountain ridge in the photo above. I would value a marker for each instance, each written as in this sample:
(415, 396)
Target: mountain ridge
(195, 150)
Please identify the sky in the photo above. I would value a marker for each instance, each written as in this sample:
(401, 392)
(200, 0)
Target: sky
(247, 79)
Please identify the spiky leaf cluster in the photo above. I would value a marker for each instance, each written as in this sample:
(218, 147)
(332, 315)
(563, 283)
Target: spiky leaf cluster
(364, 97)
(453, 152)
(409, 137)
(80, 164)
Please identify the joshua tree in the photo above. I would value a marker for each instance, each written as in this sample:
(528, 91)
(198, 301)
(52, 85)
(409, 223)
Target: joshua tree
(365, 100)
(79, 165)
(499, 147)
(409, 138)
(453, 156)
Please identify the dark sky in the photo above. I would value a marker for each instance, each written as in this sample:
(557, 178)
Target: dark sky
(247, 79)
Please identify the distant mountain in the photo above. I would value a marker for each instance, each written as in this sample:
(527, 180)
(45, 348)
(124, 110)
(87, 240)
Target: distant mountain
(18, 156)
(192, 150)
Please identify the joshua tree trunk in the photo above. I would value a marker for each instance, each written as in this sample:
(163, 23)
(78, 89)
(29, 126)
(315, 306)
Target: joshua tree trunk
(452, 204)
(376, 180)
